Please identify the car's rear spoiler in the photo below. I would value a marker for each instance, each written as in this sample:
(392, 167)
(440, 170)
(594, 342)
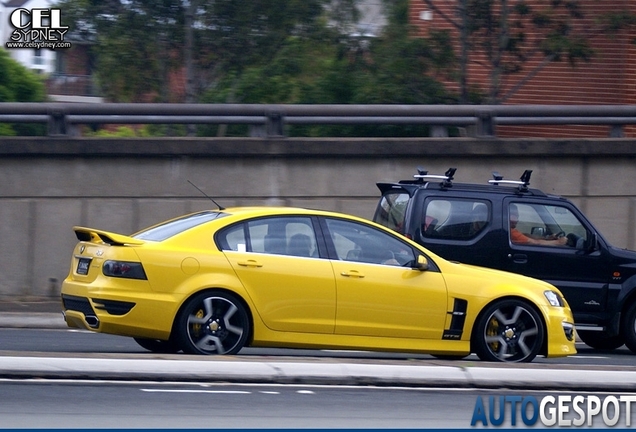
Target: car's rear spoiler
(408, 188)
(95, 236)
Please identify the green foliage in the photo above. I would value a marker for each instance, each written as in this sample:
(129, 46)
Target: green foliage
(120, 132)
(140, 44)
(264, 52)
(136, 44)
(330, 69)
(613, 22)
(18, 84)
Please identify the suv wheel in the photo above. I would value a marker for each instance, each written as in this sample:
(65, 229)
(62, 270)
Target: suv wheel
(600, 340)
(628, 328)
(508, 331)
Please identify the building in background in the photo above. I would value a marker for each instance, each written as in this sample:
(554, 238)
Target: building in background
(608, 78)
(41, 61)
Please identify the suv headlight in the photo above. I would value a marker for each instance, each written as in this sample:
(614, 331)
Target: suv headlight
(553, 298)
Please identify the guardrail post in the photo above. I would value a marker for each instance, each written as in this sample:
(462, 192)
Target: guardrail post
(57, 124)
(485, 123)
(274, 124)
(616, 131)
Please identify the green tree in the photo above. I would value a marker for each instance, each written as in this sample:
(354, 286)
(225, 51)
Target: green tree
(136, 44)
(331, 67)
(19, 84)
(139, 43)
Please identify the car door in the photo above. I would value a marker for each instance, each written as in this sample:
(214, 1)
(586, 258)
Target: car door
(582, 276)
(379, 293)
(278, 262)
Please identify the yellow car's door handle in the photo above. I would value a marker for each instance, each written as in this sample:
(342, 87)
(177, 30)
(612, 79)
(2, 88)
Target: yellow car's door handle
(250, 263)
(353, 274)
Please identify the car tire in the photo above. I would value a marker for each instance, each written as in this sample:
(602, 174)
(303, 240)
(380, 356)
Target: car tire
(600, 340)
(213, 322)
(158, 345)
(628, 328)
(508, 331)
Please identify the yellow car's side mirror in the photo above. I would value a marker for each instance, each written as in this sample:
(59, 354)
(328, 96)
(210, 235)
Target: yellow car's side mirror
(421, 263)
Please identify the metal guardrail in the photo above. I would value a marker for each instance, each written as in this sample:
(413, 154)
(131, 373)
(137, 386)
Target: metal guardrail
(268, 120)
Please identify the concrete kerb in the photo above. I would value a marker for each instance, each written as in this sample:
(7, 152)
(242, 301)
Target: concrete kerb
(314, 373)
(32, 320)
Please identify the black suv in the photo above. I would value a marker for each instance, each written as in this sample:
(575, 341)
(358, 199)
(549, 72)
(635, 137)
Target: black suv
(509, 226)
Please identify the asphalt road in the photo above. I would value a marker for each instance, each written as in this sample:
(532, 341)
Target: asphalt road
(41, 346)
(75, 341)
(154, 405)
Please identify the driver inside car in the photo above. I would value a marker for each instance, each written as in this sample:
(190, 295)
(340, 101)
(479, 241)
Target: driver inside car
(518, 237)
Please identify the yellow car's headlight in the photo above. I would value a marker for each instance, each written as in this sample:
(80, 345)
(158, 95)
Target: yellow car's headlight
(553, 298)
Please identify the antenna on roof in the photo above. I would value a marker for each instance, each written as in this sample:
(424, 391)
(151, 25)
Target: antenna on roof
(206, 195)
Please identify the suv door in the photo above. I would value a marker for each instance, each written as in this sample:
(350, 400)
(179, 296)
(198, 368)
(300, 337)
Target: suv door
(582, 275)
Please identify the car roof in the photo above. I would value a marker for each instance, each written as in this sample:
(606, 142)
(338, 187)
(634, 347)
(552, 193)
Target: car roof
(277, 210)
(240, 212)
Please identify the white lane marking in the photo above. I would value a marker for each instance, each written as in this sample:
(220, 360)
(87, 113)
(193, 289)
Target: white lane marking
(206, 391)
(588, 357)
(194, 391)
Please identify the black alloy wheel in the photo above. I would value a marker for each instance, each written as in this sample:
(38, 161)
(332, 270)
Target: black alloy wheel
(508, 331)
(213, 322)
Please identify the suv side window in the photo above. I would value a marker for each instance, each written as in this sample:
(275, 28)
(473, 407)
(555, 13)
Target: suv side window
(541, 221)
(454, 219)
(392, 210)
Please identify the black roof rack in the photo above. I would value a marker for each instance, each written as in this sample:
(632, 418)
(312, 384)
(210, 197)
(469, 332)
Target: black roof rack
(523, 182)
(446, 179)
(428, 181)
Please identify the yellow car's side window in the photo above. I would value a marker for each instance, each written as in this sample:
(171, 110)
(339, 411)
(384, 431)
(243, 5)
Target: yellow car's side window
(292, 236)
(357, 242)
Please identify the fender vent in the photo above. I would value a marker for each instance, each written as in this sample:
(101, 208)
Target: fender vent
(454, 332)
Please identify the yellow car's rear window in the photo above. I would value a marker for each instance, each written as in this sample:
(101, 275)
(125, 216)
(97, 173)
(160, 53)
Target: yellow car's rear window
(176, 226)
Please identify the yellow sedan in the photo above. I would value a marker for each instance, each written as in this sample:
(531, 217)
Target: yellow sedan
(215, 281)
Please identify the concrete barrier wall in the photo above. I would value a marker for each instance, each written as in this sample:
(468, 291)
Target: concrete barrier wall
(48, 185)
